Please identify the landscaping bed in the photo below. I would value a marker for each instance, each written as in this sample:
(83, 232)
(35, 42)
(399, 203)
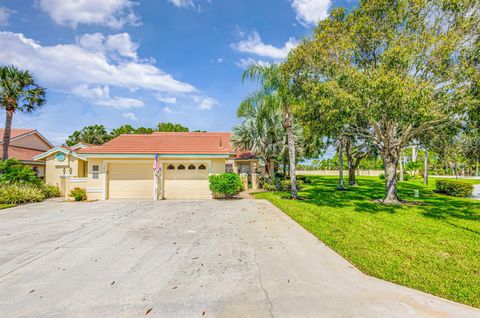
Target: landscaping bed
(433, 246)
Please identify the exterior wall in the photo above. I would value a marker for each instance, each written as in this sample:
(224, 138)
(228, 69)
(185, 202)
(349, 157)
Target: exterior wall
(54, 169)
(39, 167)
(31, 141)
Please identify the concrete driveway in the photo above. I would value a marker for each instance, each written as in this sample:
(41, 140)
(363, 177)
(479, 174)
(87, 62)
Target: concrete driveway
(185, 259)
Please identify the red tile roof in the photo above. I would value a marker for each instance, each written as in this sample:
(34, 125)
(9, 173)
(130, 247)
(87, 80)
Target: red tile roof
(21, 153)
(166, 143)
(15, 132)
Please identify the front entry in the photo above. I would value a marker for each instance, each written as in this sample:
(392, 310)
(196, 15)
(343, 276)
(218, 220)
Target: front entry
(186, 181)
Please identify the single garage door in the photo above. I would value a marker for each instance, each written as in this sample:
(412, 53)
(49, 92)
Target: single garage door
(186, 181)
(130, 180)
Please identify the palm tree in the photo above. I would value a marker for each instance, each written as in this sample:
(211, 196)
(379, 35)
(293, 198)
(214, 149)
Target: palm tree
(274, 96)
(262, 134)
(18, 92)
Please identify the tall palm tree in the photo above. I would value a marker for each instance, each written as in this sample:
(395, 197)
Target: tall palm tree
(274, 96)
(18, 92)
(262, 134)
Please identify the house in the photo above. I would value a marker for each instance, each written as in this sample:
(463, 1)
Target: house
(25, 144)
(123, 167)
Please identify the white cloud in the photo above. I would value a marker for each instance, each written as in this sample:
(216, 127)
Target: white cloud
(93, 63)
(5, 14)
(244, 63)
(111, 13)
(116, 44)
(130, 116)
(166, 99)
(253, 44)
(309, 12)
(182, 3)
(168, 110)
(205, 103)
(101, 96)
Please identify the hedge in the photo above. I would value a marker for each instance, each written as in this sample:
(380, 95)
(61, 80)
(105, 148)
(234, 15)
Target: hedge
(454, 188)
(225, 185)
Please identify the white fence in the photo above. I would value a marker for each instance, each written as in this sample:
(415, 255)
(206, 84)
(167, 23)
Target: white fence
(373, 173)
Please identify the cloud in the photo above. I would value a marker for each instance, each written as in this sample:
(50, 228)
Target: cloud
(244, 63)
(168, 110)
(253, 44)
(205, 103)
(111, 13)
(5, 14)
(165, 99)
(94, 62)
(130, 116)
(309, 12)
(101, 96)
(182, 3)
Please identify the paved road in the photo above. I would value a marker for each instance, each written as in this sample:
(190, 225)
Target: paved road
(185, 259)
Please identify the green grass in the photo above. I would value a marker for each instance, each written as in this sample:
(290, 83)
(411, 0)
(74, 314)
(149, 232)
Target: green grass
(6, 206)
(433, 247)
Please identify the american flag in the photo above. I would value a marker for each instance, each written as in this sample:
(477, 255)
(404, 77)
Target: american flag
(157, 166)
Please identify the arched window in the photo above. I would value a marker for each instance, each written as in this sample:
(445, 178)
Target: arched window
(170, 167)
(181, 167)
(191, 167)
(202, 167)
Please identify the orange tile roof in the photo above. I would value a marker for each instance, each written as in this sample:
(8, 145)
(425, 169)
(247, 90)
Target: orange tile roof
(15, 132)
(21, 153)
(166, 143)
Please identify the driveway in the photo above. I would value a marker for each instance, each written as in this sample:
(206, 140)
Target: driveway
(239, 258)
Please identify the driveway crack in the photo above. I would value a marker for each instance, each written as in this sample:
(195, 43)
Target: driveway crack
(265, 291)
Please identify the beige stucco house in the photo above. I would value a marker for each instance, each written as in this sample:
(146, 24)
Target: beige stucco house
(25, 144)
(124, 166)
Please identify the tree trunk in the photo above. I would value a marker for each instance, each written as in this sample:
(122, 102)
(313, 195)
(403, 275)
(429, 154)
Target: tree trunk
(291, 154)
(390, 161)
(340, 159)
(401, 168)
(352, 180)
(7, 133)
(476, 169)
(284, 167)
(425, 173)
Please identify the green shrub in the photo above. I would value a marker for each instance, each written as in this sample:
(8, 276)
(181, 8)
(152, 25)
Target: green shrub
(79, 194)
(406, 176)
(304, 179)
(381, 176)
(454, 188)
(225, 185)
(50, 191)
(20, 193)
(14, 172)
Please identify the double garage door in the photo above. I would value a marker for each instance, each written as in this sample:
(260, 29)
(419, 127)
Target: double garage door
(180, 181)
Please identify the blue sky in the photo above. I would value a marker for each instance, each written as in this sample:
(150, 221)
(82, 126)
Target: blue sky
(115, 62)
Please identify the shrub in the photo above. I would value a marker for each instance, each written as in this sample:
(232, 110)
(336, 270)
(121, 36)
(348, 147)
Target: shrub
(225, 185)
(381, 176)
(304, 179)
(12, 171)
(51, 191)
(454, 188)
(20, 193)
(78, 194)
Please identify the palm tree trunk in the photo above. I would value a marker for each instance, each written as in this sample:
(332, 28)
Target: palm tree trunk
(401, 168)
(425, 176)
(7, 133)
(291, 154)
(340, 159)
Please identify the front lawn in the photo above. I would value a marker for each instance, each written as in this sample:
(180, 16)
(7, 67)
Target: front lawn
(6, 206)
(433, 247)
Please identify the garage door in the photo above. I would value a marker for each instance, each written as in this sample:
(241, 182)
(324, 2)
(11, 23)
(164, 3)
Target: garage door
(186, 181)
(130, 180)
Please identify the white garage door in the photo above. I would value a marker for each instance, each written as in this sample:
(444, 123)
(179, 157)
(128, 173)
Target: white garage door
(130, 180)
(186, 181)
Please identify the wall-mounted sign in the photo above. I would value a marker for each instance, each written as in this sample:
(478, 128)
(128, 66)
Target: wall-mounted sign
(60, 156)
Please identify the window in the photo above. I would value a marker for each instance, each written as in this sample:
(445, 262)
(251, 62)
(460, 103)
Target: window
(95, 168)
(170, 167)
(181, 167)
(191, 167)
(95, 175)
(228, 167)
(202, 167)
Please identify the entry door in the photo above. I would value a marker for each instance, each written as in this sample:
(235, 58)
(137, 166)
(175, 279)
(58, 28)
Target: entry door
(186, 181)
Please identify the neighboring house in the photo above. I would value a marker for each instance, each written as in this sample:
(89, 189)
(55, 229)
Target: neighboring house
(25, 144)
(123, 167)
